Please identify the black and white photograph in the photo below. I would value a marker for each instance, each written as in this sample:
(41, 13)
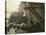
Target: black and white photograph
(24, 17)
